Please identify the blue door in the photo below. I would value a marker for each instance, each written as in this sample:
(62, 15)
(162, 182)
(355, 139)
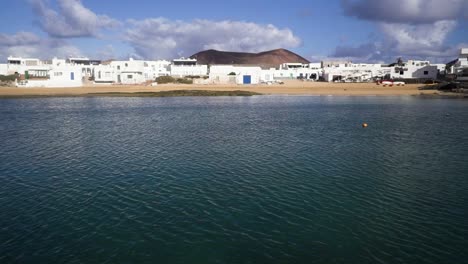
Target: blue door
(72, 76)
(247, 79)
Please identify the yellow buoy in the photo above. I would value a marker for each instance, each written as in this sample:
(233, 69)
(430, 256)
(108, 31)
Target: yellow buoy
(364, 125)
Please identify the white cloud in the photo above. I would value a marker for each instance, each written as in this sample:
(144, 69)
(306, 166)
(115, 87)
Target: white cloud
(27, 44)
(406, 11)
(71, 20)
(408, 28)
(164, 38)
(422, 41)
(419, 40)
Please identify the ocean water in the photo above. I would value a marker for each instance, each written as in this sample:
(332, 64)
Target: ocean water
(263, 179)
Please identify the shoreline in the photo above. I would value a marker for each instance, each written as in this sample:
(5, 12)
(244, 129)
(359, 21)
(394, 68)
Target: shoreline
(289, 88)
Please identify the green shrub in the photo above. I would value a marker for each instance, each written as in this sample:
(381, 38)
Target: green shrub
(184, 81)
(170, 79)
(8, 78)
(232, 74)
(165, 79)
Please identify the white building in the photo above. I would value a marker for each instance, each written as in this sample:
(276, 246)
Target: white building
(459, 67)
(105, 73)
(154, 69)
(331, 64)
(59, 76)
(414, 69)
(18, 65)
(128, 72)
(235, 74)
(87, 65)
(187, 67)
(309, 71)
(131, 71)
(354, 72)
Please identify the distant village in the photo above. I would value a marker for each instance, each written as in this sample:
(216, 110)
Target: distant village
(76, 72)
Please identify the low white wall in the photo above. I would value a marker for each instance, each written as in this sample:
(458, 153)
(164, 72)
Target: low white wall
(197, 70)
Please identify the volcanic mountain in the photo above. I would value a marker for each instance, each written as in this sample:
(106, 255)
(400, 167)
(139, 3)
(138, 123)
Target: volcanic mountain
(266, 59)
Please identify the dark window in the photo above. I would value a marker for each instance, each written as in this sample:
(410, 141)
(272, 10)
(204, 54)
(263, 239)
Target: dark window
(129, 76)
(426, 72)
(401, 72)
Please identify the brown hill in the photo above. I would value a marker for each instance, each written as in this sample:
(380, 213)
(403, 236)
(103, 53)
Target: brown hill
(272, 58)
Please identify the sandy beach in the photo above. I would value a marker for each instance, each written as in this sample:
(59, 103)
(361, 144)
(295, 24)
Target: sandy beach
(291, 87)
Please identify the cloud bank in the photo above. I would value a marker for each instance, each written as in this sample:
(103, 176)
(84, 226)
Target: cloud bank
(408, 28)
(164, 38)
(406, 11)
(71, 19)
(27, 44)
(152, 38)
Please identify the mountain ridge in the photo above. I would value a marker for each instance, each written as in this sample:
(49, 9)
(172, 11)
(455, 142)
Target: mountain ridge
(271, 58)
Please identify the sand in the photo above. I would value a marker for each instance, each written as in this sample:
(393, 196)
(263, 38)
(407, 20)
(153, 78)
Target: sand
(291, 87)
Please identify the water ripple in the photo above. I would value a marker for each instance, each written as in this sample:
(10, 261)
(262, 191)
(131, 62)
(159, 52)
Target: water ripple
(233, 180)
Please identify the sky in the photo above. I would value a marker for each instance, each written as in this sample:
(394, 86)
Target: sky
(378, 31)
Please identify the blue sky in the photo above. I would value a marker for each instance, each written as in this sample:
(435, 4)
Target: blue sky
(358, 30)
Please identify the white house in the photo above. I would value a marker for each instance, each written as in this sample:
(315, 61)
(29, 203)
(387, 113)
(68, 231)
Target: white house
(59, 76)
(187, 67)
(298, 71)
(235, 74)
(414, 69)
(18, 65)
(128, 72)
(87, 65)
(105, 74)
(131, 71)
(354, 72)
(154, 69)
(459, 67)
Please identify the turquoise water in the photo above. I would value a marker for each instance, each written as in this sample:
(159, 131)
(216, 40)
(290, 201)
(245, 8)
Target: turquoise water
(234, 180)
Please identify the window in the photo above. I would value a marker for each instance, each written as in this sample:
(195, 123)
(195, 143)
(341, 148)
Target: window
(126, 64)
(58, 73)
(118, 67)
(426, 72)
(401, 72)
(129, 76)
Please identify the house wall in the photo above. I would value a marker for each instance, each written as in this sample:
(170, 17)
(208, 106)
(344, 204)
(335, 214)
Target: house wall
(220, 74)
(132, 77)
(3, 69)
(356, 72)
(66, 76)
(154, 69)
(105, 74)
(304, 73)
(255, 74)
(268, 75)
(187, 70)
(128, 72)
(63, 76)
(415, 72)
